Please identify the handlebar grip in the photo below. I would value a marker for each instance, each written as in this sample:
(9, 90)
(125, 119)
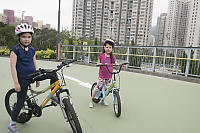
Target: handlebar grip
(34, 74)
(98, 65)
(68, 62)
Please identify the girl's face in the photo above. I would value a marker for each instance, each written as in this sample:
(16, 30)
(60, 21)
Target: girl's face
(108, 48)
(25, 38)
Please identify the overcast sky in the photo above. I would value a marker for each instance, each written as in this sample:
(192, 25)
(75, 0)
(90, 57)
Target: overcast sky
(47, 10)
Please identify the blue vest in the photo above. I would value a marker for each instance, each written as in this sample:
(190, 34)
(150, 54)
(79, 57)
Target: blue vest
(25, 64)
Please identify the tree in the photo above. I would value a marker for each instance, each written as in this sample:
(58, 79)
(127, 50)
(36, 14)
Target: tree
(134, 60)
(94, 56)
(7, 36)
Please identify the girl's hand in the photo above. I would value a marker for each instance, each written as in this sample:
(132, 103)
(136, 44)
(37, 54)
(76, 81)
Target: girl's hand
(37, 83)
(17, 87)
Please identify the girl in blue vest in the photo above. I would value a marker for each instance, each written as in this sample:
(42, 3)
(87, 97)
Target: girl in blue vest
(23, 63)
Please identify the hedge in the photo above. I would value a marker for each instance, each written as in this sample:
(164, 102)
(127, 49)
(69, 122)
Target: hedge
(46, 54)
(4, 52)
(43, 54)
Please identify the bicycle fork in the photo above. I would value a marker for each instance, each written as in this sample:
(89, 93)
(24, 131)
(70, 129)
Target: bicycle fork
(62, 106)
(113, 93)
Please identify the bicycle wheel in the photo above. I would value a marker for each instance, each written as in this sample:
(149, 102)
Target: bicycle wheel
(72, 117)
(92, 89)
(11, 101)
(117, 103)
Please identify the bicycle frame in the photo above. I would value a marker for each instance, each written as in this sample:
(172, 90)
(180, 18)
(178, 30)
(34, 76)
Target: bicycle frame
(106, 92)
(103, 93)
(56, 86)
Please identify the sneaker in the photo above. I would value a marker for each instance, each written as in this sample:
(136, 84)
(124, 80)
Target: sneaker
(91, 105)
(55, 99)
(104, 103)
(12, 128)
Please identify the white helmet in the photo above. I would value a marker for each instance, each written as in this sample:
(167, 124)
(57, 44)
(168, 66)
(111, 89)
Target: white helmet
(109, 41)
(22, 28)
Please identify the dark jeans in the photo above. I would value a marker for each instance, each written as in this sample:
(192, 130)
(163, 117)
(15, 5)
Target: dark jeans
(21, 96)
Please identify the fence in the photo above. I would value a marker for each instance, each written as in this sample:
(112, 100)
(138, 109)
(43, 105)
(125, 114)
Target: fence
(172, 60)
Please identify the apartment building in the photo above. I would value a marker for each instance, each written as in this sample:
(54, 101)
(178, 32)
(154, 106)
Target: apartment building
(177, 22)
(160, 29)
(29, 19)
(10, 16)
(193, 34)
(121, 20)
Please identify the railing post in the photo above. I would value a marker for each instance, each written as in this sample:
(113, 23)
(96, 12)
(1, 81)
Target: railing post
(164, 60)
(154, 60)
(74, 53)
(127, 58)
(188, 63)
(198, 60)
(88, 54)
(175, 56)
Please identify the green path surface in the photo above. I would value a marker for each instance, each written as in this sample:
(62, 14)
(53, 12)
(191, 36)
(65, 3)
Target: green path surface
(149, 104)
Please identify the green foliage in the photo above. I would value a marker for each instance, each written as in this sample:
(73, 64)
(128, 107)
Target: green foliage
(43, 54)
(44, 38)
(134, 60)
(69, 55)
(183, 63)
(194, 67)
(46, 54)
(5, 52)
(94, 56)
(7, 36)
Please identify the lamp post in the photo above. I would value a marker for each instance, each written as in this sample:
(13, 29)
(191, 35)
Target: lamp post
(23, 15)
(58, 36)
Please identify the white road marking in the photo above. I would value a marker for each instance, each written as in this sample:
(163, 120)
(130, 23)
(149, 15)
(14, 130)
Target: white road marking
(87, 85)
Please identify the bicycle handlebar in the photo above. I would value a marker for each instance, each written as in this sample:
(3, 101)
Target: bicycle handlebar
(113, 65)
(42, 71)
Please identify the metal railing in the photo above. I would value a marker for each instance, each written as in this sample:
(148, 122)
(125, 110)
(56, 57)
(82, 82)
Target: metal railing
(171, 60)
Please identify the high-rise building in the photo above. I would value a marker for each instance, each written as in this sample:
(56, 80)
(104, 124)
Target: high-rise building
(40, 24)
(193, 32)
(10, 15)
(18, 20)
(121, 20)
(29, 19)
(3, 18)
(160, 29)
(177, 22)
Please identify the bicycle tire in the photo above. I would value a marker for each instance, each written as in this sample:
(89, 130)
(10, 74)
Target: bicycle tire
(23, 116)
(117, 103)
(91, 91)
(72, 117)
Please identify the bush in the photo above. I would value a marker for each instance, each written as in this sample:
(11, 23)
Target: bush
(43, 54)
(4, 52)
(48, 54)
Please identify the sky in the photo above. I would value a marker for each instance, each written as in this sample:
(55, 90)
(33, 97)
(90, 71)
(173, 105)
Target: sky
(47, 10)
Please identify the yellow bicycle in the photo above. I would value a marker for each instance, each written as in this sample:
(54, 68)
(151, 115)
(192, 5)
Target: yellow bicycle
(31, 108)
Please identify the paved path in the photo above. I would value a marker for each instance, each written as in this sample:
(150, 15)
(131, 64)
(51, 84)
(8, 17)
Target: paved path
(149, 104)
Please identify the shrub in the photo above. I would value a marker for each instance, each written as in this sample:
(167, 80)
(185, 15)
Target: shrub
(48, 54)
(5, 52)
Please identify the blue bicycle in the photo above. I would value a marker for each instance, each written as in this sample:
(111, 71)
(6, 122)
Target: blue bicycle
(112, 88)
